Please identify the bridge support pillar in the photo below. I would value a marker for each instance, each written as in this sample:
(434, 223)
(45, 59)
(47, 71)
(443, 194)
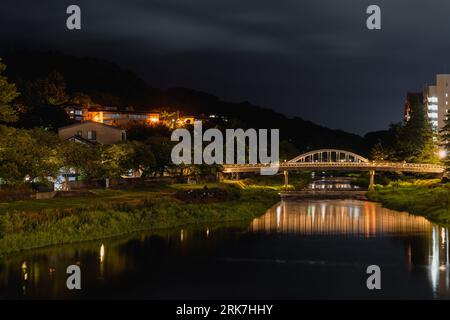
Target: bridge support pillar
(286, 179)
(371, 180)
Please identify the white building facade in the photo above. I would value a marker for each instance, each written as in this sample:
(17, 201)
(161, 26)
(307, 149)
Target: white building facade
(436, 100)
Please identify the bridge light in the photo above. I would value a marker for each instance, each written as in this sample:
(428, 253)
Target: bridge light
(442, 154)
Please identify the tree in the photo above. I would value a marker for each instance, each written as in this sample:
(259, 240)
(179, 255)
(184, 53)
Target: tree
(78, 157)
(8, 93)
(445, 140)
(81, 99)
(141, 158)
(42, 99)
(141, 132)
(287, 150)
(162, 149)
(416, 141)
(386, 138)
(115, 160)
(27, 155)
(50, 90)
(380, 153)
(46, 117)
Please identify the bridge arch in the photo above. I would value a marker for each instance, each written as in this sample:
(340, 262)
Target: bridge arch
(329, 155)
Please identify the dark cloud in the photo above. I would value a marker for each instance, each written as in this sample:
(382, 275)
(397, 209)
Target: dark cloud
(312, 58)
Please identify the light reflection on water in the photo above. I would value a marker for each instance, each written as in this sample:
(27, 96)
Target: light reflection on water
(117, 262)
(339, 217)
(361, 219)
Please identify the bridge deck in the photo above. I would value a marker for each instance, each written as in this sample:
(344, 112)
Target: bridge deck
(340, 166)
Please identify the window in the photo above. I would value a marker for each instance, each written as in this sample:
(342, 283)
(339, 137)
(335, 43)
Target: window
(92, 135)
(124, 136)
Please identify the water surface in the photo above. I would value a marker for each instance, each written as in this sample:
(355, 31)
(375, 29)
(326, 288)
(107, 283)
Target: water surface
(296, 250)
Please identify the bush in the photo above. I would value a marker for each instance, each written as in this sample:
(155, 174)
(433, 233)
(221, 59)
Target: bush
(2, 226)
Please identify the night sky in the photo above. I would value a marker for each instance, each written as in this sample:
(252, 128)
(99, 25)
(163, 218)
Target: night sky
(313, 59)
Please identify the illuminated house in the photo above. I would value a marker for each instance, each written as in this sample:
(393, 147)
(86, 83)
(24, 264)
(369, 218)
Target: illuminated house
(92, 132)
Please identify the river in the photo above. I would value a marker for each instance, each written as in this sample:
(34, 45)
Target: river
(296, 250)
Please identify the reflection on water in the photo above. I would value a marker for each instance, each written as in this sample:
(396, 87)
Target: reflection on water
(230, 260)
(362, 219)
(331, 183)
(339, 217)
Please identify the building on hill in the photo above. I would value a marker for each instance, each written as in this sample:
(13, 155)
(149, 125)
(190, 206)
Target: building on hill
(74, 111)
(125, 118)
(92, 132)
(120, 118)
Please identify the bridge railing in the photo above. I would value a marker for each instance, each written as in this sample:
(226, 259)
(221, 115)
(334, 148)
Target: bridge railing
(368, 165)
(336, 163)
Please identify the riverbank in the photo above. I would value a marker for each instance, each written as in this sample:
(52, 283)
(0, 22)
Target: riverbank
(38, 223)
(427, 198)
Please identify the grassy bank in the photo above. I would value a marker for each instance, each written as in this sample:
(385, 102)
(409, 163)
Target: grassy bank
(34, 223)
(427, 198)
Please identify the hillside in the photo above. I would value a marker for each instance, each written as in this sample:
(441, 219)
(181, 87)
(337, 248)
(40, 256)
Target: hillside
(110, 84)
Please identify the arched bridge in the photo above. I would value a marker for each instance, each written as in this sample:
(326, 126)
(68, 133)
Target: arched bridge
(338, 160)
(329, 155)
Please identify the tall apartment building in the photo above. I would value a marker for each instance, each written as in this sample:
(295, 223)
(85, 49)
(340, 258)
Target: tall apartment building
(436, 100)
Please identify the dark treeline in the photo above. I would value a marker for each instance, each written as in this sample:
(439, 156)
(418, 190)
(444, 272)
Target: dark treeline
(107, 84)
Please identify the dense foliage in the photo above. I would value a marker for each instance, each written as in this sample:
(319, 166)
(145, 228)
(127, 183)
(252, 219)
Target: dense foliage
(413, 141)
(7, 94)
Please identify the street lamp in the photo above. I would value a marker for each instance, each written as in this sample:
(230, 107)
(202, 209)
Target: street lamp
(442, 154)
